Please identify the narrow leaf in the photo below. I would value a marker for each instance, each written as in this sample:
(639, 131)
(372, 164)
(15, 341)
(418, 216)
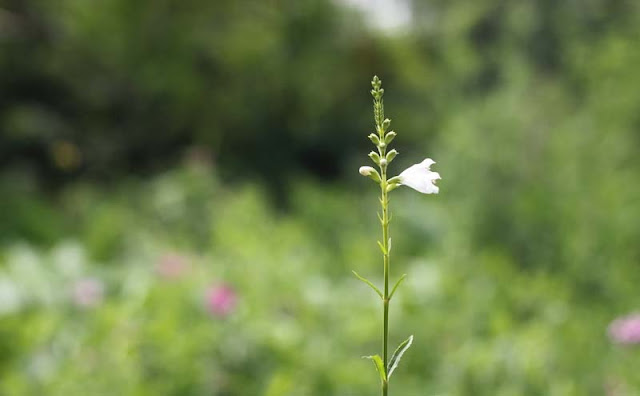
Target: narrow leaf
(384, 251)
(377, 360)
(397, 355)
(389, 243)
(396, 285)
(365, 280)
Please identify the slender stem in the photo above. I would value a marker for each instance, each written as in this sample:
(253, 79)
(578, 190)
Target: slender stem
(381, 126)
(385, 238)
(384, 200)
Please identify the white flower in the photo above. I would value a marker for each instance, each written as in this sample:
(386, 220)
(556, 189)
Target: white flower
(420, 178)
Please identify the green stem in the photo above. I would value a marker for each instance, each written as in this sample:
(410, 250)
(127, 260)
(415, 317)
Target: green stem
(381, 125)
(385, 238)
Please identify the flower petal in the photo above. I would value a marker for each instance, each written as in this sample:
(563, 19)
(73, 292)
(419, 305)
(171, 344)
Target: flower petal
(420, 178)
(427, 163)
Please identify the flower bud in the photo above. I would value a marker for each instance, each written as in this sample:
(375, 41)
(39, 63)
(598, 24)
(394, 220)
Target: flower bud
(386, 123)
(370, 172)
(374, 139)
(366, 170)
(383, 162)
(391, 155)
(394, 180)
(392, 186)
(375, 157)
(376, 82)
(389, 137)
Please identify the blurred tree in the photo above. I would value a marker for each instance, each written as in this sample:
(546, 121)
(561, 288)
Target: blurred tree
(119, 86)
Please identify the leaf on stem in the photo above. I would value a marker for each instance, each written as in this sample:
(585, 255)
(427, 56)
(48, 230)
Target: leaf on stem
(377, 360)
(384, 251)
(396, 285)
(397, 355)
(365, 280)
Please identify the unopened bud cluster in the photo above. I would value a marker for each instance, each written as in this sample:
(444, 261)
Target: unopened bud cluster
(381, 140)
(418, 176)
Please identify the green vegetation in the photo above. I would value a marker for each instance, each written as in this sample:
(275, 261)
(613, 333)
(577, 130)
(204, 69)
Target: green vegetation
(180, 207)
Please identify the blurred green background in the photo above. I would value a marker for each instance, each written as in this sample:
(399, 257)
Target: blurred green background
(180, 207)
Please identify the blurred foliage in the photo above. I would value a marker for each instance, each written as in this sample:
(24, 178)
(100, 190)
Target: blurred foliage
(164, 128)
(482, 324)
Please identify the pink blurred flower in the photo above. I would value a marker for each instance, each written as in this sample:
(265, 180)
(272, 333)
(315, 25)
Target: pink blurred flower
(171, 266)
(221, 300)
(88, 292)
(626, 330)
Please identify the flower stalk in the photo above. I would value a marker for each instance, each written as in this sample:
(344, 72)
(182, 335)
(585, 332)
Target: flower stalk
(418, 177)
(381, 125)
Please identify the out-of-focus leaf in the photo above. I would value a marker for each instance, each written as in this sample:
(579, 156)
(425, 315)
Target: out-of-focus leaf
(377, 361)
(397, 355)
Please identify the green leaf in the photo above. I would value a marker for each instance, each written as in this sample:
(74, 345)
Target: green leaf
(384, 251)
(377, 360)
(397, 355)
(396, 285)
(365, 280)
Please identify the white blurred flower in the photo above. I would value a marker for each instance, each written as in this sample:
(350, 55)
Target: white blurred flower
(69, 258)
(420, 177)
(10, 297)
